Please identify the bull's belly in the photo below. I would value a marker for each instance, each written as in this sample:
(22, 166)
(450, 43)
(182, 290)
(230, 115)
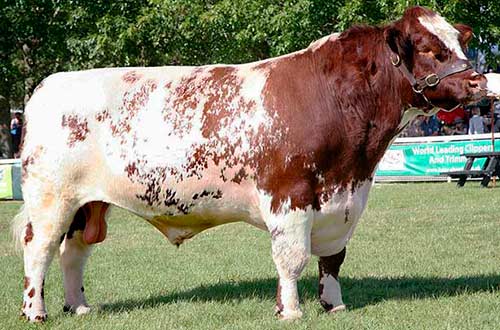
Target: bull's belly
(334, 225)
(203, 204)
(182, 210)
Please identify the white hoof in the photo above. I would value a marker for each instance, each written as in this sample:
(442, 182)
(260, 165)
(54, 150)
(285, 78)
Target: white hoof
(82, 310)
(78, 310)
(336, 309)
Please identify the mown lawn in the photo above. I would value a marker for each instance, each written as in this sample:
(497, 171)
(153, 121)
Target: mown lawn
(425, 256)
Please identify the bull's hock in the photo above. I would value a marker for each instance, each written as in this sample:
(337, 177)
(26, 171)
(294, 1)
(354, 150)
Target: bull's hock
(493, 84)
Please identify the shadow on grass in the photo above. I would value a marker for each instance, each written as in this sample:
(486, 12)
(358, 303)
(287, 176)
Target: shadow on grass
(357, 292)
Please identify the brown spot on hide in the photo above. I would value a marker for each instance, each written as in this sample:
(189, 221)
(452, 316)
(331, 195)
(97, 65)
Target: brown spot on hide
(29, 233)
(78, 128)
(31, 294)
(217, 194)
(30, 305)
(27, 161)
(329, 266)
(131, 170)
(26, 282)
(40, 318)
(131, 77)
(24, 305)
(102, 115)
(241, 175)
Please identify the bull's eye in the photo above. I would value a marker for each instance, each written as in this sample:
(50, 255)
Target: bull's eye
(440, 57)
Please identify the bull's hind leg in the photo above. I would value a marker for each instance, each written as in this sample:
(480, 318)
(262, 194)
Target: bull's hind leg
(330, 295)
(291, 250)
(88, 227)
(40, 236)
(73, 254)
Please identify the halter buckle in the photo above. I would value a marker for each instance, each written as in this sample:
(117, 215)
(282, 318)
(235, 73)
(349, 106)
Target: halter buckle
(417, 88)
(432, 80)
(395, 60)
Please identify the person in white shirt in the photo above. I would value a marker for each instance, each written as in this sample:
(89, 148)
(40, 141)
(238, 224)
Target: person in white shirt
(476, 124)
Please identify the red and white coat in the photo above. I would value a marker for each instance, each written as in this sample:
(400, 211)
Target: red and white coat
(288, 145)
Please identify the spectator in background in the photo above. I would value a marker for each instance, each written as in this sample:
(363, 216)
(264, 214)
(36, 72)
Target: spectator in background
(459, 128)
(476, 124)
(16, 130)
(413, 128)
(430, 126)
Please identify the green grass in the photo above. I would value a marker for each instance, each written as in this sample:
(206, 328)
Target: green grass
(425, 256)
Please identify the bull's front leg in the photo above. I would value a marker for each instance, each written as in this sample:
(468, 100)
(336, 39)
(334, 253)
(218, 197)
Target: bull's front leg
(291, 250)
(330, 295)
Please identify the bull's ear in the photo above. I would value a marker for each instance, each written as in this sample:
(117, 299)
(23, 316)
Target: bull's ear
(466, 34)
(397, 41)
(393, 37)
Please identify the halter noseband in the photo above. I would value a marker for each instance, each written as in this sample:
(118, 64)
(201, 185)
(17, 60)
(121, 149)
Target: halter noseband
(431, 80)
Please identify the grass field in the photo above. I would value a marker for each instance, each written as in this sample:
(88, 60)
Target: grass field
(425, 256)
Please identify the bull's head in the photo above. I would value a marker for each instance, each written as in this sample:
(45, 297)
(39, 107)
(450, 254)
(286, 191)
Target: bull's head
(430, 54)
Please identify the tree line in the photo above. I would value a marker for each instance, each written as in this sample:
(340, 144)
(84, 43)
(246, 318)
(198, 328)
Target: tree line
(40, 37)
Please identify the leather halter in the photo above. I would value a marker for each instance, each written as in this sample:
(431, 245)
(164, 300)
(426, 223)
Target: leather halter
(431, 80)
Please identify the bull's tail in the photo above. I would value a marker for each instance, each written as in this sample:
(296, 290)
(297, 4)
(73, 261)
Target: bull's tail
(18, 227)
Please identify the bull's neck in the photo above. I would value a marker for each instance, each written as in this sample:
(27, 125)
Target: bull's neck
(345, 92)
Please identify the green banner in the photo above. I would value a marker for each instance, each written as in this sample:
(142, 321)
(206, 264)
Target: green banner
(5, 181)
(432, 158)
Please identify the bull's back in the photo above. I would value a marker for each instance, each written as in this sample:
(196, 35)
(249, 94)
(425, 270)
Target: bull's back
(157, 141)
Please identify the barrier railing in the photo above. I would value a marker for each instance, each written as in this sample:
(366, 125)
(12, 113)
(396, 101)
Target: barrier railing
(10, 179)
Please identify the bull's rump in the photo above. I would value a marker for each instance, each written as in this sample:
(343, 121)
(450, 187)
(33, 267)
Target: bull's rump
(171, 144)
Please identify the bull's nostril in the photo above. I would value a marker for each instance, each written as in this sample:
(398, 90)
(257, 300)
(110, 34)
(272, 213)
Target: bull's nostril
(473, 83)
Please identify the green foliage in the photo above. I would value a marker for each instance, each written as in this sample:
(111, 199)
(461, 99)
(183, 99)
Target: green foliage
(39, 37)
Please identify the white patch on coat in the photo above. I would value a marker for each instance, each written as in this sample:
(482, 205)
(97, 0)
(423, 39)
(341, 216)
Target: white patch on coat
(291, 247)
(73, 254)
(332, 293)
(334, 224)
(438, 26)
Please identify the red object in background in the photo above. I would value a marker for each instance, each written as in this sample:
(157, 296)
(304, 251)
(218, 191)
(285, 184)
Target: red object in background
(449, 117)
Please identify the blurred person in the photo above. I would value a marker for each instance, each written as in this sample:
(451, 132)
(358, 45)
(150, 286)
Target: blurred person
(413, 128)
(430, 126)
(476, 123)
(459, 127)
(16, 130)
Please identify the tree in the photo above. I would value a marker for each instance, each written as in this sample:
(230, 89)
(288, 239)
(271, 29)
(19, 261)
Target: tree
(39, 37)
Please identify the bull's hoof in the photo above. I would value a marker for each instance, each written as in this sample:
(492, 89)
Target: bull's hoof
(36, 318)
(78, 310)
(337, 309)
(289, 315)
(39, 318)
